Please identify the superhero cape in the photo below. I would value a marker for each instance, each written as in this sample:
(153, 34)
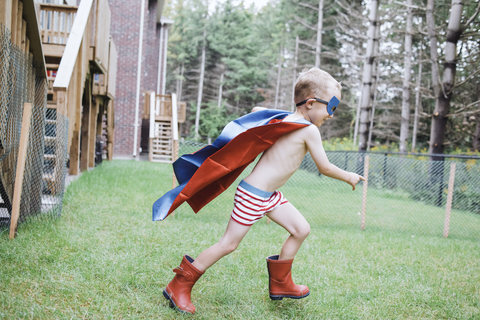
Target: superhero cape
(205, 174)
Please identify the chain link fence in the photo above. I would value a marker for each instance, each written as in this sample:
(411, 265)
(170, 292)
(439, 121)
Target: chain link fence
(404, 194)
(45, 163)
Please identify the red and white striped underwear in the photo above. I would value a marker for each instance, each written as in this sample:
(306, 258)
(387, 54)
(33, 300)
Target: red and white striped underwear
(251, 204)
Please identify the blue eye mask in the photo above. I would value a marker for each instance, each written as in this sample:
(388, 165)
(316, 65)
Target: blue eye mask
(331, 105)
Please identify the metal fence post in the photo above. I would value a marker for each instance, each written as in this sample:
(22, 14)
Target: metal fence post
(440, 183)
(385, 169)
(448, 210)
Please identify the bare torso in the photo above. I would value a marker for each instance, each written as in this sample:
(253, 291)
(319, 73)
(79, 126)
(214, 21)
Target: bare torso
(280, 161)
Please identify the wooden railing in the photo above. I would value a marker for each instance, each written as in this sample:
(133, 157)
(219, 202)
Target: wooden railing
(163, 107)
(55, 22)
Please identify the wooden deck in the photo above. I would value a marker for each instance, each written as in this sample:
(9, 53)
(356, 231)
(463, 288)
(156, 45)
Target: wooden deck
(66, 49)
(82, 81)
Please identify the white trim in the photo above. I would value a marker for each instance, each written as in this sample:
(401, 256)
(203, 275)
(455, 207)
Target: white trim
(139, 68)
(174, 117)
(160, 58)
(152, 115)
(164, 71)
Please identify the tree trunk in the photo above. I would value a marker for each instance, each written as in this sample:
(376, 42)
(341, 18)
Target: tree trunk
(200, 86)
(367, 77)
(319, 34)
(372, 118)
(357, 121)
(442, 104)
(417, 100)
(476, 135)
(295, 61)
(220, 89)
(279, 75)
(180, 87)
(433, 46)
(404, 127)
(373, 89)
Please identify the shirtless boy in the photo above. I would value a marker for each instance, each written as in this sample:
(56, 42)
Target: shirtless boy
(316, 94)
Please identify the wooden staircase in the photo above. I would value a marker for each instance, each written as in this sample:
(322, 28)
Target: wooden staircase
(50, 152)
(158, 109)
(161, 145)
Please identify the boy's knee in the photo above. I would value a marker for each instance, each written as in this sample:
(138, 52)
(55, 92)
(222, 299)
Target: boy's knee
(306, 230)
(302, 232)
(229, 247)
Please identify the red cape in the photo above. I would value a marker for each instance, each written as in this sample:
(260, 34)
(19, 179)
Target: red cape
(219, 170)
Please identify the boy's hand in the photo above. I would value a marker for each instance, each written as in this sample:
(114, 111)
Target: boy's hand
(354, 179)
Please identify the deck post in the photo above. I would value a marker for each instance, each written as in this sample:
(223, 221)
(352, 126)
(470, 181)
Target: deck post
(13, 21)
(6, 14)
(110, 131)
(85, 144)
(93, 131)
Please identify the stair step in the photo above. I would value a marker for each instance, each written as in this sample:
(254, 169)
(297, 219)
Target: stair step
(49, 141)
(162, 158)
(52, 104)
(49, 157)
(52, 66)
(162, 154)
(48, 177)
(162, 161)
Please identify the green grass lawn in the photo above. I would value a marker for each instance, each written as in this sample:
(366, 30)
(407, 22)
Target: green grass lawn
(105, 258)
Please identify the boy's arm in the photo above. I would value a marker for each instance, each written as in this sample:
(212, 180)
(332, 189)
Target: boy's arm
(314, 144)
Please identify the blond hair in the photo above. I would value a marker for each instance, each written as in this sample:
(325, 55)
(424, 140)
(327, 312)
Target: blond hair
(314, 82)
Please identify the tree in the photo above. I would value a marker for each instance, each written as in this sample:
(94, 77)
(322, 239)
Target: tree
(243, 45)
(367, 78)
(404, 128)
(444, 97)
(476, 135)
(200, 86)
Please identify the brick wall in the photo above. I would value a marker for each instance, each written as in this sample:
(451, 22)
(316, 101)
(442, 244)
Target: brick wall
(125, 31)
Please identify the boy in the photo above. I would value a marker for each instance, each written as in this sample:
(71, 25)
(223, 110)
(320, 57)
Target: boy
(317, 95)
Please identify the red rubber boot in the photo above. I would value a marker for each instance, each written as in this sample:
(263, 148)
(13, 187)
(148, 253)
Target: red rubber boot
(179, 289)
(281, 284)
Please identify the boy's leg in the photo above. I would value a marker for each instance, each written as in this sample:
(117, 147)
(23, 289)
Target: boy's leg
(179, 289)
(280, 283)
(293, 221)
(227, 244)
